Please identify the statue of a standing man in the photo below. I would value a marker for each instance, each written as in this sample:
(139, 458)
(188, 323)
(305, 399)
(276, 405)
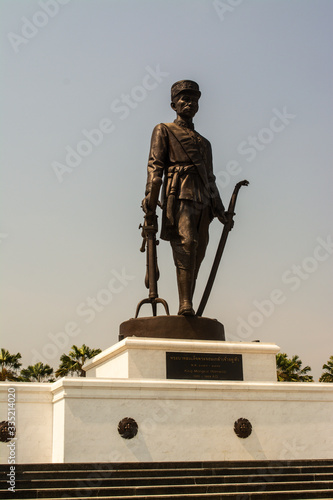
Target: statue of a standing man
(190, 198)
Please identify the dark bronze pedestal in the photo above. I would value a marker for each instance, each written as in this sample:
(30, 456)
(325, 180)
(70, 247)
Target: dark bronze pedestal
(173, 327)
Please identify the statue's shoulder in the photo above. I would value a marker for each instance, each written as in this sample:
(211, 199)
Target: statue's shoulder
(175, 129)
(172, 126)
(204, 140)
(161, 128)
(168, 129)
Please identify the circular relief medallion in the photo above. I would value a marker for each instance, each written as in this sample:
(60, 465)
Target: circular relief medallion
(128, 428)
(7, 431)
(243, 427)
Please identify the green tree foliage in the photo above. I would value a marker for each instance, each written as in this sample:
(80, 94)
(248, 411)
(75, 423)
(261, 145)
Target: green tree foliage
(37, 373)
(327, 376)
(290, 370)
(9, 364)
(71, 363)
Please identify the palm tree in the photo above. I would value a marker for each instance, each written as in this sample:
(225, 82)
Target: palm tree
(290, 370)
(72, 362)
(9, 364)
(328, 375)
(37, 373)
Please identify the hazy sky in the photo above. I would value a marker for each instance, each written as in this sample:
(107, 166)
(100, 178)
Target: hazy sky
(83, 84)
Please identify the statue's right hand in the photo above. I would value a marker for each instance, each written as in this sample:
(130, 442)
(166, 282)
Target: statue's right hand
(144, 204)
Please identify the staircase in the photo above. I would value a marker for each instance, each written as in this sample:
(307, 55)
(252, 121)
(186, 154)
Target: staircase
(236, 480)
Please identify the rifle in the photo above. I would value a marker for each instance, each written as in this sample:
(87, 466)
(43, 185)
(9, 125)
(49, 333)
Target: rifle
(227, 228)
(149, 242)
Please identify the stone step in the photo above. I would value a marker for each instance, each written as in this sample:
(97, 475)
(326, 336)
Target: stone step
(174, 480)
(139, 491)
(195, 472)
(168, 465)
(272, 495)
(262, 479)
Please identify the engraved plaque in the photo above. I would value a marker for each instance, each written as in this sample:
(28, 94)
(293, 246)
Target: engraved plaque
(192, 366)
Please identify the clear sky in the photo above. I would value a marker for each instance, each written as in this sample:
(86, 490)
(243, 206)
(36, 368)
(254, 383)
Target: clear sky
(83, 84)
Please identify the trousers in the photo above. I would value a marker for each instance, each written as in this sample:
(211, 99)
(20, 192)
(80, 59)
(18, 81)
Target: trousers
(191, 235)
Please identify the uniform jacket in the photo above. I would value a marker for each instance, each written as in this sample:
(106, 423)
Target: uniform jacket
(184, 158)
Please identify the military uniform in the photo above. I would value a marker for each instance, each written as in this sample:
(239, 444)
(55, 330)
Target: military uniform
(190, 198)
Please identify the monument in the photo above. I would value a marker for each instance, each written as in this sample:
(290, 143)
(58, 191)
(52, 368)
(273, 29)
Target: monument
(180, 160)
(173, 388)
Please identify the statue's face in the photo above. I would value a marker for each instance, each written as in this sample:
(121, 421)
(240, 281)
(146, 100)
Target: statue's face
(187, 105)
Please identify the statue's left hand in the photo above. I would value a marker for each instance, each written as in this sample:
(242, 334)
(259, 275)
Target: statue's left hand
(222, 218)
(226, 218)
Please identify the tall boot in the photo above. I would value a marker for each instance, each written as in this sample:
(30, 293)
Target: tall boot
(185, 285)
(194, 282)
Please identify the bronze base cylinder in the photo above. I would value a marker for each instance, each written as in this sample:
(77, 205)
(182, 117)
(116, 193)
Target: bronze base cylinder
(173, 327)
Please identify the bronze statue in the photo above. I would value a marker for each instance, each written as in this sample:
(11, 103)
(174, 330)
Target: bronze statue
(190, 197)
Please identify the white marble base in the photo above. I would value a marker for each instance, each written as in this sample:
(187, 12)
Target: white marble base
(145, 358)
(76, 419)
(190, 421)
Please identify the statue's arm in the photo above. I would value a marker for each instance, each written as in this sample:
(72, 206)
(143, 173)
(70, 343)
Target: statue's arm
(158, 155)
(217, 204)
(158, 158)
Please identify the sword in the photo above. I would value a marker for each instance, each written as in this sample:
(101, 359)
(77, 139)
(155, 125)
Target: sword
(225, 233)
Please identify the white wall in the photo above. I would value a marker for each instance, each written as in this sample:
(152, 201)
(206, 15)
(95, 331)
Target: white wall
(194, 420)
(178, 420)
(34, 423)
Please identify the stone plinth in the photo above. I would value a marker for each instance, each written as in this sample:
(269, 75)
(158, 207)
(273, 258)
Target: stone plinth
(76, 420)
(190, 421)
(145, 358)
